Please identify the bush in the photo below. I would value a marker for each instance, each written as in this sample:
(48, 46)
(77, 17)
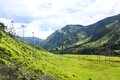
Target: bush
(48, 77)
(9, 73)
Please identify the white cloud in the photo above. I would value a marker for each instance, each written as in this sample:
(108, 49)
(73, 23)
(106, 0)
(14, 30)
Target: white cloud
(102, 8)
(45, 16)
(38, 30)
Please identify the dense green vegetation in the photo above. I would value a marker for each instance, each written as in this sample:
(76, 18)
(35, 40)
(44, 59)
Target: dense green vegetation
(22, 61)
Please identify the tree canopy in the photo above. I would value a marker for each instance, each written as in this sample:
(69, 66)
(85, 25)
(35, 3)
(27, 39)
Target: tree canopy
(2, 26)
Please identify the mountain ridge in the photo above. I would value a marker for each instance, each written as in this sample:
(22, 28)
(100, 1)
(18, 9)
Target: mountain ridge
(81, 34)
(32, 40)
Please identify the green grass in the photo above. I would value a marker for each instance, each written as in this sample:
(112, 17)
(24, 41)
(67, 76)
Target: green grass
(35, 63)
(84, 67)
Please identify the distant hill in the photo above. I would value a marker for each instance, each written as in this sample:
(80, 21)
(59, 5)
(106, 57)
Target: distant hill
(33, 40)
(100, 36)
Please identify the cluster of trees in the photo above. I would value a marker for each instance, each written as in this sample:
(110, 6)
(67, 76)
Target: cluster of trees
(2, 26)
(11, 29)
(105, 49)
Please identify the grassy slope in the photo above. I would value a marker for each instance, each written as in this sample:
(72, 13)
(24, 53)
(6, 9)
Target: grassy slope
(64, 67)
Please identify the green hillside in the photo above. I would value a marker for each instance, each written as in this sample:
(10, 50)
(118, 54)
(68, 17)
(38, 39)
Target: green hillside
(102, 37)
(105, 41)
(22, 61)
(66, 36)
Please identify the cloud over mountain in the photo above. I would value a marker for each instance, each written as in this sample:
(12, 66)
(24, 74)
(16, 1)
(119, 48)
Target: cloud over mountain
(45, 16)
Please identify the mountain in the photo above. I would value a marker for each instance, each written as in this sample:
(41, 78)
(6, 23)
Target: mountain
(33, 40)
(105, 41)
(100, 36)
(66, 36)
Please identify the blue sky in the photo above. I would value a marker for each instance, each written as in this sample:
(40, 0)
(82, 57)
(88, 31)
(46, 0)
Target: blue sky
(45, 16)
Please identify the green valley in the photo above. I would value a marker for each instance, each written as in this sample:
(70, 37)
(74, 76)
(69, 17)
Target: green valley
(20, 60)
(59, 40)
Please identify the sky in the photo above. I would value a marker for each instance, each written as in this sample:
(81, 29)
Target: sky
(43, 17)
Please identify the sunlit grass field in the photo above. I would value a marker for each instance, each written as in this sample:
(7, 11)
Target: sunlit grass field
(84, 67)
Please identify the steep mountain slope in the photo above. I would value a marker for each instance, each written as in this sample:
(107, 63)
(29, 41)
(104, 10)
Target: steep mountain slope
(66, 36)
(103, 40)
(70, 38)
(20, 60)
